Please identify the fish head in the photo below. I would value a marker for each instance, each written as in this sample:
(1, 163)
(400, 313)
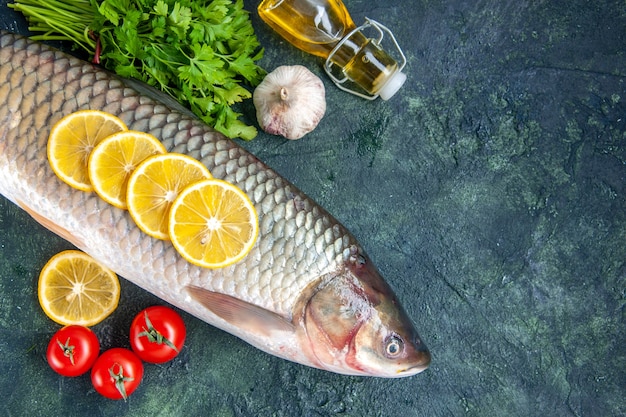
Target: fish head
(356, 326)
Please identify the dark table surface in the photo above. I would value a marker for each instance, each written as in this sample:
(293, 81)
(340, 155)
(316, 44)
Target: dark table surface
(490, 192)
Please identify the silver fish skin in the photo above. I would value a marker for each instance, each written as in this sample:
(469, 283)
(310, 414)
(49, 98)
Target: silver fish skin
(306, 292)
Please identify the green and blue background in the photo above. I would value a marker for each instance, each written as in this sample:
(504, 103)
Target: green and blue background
(490, 192)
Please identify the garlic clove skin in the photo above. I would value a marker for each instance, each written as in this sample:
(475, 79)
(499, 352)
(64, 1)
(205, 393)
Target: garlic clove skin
(290, 101)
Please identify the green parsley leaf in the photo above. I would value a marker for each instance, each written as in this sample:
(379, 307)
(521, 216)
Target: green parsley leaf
(201, 52)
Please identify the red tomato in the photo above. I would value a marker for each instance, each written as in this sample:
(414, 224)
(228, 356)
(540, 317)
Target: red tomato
(157, 334)
(73, 350)
(117, 373)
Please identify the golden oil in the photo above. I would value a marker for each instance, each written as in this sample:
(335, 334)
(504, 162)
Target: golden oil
(309, 25)
(325, 28)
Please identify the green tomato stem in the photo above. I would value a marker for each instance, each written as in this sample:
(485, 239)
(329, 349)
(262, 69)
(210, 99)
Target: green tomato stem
(119, 379)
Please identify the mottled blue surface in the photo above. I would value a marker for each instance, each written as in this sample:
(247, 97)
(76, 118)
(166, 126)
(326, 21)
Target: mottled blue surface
(490, 192)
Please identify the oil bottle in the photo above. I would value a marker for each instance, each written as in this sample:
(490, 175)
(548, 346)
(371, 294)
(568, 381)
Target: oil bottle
(355, 62)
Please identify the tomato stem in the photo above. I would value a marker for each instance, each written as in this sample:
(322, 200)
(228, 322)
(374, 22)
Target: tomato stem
(68, 350)
(153, 335)
(119, 379)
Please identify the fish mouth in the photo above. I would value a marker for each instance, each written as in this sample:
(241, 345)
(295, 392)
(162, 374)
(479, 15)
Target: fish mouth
(422, 363)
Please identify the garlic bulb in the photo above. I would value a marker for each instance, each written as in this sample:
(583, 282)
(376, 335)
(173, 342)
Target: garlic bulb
(290, 101)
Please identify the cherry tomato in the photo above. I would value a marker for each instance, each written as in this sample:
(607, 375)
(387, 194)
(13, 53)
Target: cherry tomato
(117, 373)
(73, 350)
(157, 334)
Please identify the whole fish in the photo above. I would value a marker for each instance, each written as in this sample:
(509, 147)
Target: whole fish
(306, 292)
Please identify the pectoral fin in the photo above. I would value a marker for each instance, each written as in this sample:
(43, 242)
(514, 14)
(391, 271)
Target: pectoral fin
(240, 313)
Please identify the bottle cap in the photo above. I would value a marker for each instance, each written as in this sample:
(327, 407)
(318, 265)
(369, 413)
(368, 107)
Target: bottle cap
(392, 85)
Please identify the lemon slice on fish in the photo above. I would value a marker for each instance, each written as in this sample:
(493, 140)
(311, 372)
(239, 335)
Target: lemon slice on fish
(75, 289)
(113, 160)
(71, 141)
(154, 185)
(213, 224)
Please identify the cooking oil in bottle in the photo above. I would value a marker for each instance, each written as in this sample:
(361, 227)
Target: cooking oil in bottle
(355, 62)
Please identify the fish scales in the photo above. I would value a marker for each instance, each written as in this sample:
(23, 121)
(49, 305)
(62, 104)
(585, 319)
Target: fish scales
(300, 247)
(287, 218)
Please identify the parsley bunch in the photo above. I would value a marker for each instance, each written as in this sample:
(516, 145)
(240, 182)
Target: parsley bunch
(200, 52)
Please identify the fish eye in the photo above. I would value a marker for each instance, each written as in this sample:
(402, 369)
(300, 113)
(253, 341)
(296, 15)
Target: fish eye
(394, 346)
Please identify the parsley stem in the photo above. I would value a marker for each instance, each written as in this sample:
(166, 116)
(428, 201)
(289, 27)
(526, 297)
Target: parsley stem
(201, 52)
(59, 21)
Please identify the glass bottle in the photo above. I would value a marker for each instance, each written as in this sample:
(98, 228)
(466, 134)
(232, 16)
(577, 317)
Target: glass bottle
(356, 63)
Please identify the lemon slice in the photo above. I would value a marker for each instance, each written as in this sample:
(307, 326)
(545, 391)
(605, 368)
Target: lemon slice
(75, 289)
(71, 140)
(213, 224)
(113, 160)
(155, 184)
